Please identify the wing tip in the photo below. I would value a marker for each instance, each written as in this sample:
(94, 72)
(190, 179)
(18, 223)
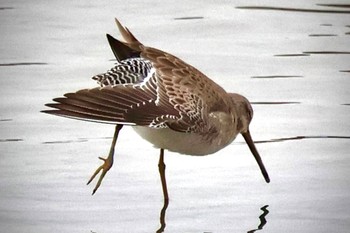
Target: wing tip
(121, 51)
(126, 34)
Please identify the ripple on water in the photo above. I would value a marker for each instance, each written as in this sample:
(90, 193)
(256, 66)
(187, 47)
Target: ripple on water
(189, 18)
(327, 52)
(326, 24)
(274, 102)
(6, 119)
(65, 141)
(277, 76)
(322, 35)
(11, 140)
(335, 5)
(301, 138)
(78, 140)
(304, 10)
(23, 64)
(292, 55)
(6, 8)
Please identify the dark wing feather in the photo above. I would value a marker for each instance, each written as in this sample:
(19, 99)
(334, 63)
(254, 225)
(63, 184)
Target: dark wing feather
(121, 50)
(122, 104)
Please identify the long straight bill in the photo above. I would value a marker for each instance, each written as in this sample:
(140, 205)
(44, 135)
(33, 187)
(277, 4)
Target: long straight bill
(257, 157)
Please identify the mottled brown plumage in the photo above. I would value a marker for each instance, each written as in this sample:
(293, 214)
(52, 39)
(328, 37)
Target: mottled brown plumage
(171, 104)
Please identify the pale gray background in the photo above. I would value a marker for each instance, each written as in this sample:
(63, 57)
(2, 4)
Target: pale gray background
(45, 161)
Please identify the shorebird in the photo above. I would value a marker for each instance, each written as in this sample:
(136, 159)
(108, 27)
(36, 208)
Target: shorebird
(168, 102)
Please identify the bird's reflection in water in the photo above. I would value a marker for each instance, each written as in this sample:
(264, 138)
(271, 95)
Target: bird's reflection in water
(161, 166)
(262, 219)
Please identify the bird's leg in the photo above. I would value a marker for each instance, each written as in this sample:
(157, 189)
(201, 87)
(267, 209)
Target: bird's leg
(108, 162)
(161, 166)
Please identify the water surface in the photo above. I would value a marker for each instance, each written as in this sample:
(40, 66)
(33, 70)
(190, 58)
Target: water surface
(290, 59)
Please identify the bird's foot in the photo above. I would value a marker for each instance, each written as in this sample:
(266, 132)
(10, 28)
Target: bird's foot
(108, 163)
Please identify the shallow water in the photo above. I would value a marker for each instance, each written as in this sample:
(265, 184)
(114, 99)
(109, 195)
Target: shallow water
(290, 59)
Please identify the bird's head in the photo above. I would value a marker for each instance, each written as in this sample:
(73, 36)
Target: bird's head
(244, 114)
(243, 111)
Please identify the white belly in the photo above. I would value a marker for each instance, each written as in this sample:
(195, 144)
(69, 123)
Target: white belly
(183, 143)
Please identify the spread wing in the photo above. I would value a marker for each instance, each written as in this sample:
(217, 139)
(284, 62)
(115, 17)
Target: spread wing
(172, 94)
(123, 104)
